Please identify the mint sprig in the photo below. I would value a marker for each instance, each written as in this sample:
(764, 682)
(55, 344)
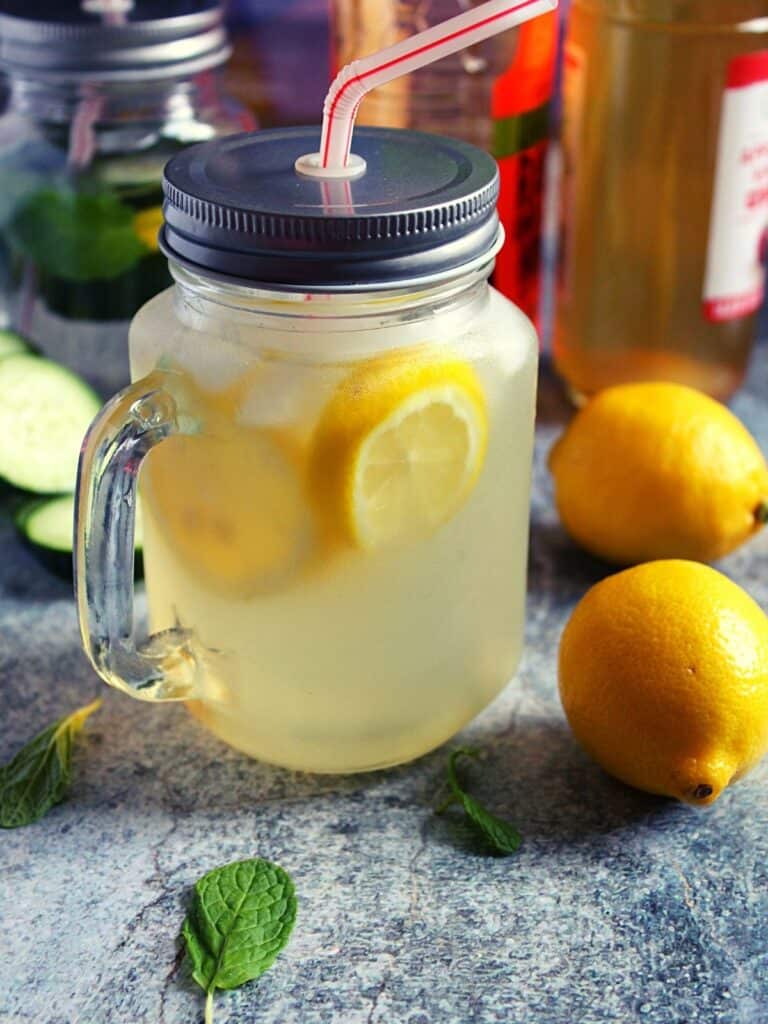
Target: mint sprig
(38, 776)
(499, 835)
(241, 918)
(77, 236)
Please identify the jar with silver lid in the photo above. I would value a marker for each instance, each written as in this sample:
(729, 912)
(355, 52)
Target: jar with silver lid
(336, 411)
(101, 95)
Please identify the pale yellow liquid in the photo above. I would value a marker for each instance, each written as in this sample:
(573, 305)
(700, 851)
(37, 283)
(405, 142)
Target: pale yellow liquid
(643, 98)
(345, 660)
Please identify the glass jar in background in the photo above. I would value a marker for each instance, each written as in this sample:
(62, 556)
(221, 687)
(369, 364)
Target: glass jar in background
(337, 416)
(495, 95)
(664, 203)
(98, 102)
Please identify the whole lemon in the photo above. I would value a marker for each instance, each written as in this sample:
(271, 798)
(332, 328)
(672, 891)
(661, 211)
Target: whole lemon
(658, 470)
(663, 675)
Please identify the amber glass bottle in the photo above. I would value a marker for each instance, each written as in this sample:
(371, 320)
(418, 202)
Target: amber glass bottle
(665, 192)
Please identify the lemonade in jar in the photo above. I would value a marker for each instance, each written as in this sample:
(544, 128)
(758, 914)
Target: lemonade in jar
(333, 413)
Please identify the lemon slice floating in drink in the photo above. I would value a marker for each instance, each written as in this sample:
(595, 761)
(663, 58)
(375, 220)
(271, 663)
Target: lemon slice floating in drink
(232, 508)
(399, 447)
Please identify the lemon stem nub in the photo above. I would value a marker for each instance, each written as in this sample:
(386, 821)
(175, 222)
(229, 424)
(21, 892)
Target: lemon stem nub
(761, 512)
(702, 792)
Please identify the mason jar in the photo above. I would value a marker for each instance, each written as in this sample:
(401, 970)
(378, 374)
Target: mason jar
(333, 413)
(98, 102)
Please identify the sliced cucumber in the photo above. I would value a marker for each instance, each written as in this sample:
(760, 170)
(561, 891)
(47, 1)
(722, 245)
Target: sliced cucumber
(45, 411)
(12, 344)
(46, 525)
(138, 172)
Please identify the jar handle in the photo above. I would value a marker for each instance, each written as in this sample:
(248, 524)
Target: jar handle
(165, 666)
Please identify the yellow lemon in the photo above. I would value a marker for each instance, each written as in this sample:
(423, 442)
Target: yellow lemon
(658, 470)
(398, 448)
(146, 226)
(663, 675)
(231, 501)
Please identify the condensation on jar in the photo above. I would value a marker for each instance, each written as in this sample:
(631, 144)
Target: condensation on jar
(337, 414)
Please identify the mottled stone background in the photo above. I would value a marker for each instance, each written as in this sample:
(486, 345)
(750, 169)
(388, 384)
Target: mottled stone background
(619, 907)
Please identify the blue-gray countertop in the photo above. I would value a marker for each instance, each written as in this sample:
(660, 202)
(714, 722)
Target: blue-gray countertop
(618, 908)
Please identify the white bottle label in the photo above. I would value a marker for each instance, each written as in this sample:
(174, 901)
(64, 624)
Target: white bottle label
(738, 234)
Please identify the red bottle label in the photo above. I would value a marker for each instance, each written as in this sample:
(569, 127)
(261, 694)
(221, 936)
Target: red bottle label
(517, 272)
(521, 115)
(734, 285)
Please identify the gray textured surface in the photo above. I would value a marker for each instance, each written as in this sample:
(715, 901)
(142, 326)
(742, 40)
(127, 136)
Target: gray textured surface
(618, 908)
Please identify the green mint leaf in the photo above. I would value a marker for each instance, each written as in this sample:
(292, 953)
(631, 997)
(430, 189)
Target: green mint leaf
(499, 834)
(78, 236)
(242, 916)
(38, 775)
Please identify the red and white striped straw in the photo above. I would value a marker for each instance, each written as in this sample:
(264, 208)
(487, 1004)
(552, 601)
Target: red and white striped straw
(82, 141)
(82, 138)
(358, 78)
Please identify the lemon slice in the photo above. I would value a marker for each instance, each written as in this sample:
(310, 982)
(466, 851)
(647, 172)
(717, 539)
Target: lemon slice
(232, 508)
(399, 448)
(147, 224)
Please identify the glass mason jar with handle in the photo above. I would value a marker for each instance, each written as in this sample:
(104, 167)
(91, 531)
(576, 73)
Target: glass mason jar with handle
(98, 102)
(664, 201)
(333, 415)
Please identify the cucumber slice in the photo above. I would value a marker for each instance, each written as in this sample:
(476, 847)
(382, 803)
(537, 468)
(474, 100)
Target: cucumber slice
(46, 527)
(12, 344)
(45, 411)
(137, 172)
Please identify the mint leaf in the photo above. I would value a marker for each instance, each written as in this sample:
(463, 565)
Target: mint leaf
(38, 775)
(78, 236)
(498, 834)
(241, 918)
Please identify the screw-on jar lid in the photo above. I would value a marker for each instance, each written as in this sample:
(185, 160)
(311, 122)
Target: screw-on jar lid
(423, 211)
(124, 41)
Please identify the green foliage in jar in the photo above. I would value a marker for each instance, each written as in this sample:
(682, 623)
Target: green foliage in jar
(77, 235)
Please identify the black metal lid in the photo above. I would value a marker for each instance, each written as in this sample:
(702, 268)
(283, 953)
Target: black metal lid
(424, 210)
(55, 39)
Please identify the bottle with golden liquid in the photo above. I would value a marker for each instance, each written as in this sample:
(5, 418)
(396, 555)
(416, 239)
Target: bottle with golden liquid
(664, 204)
